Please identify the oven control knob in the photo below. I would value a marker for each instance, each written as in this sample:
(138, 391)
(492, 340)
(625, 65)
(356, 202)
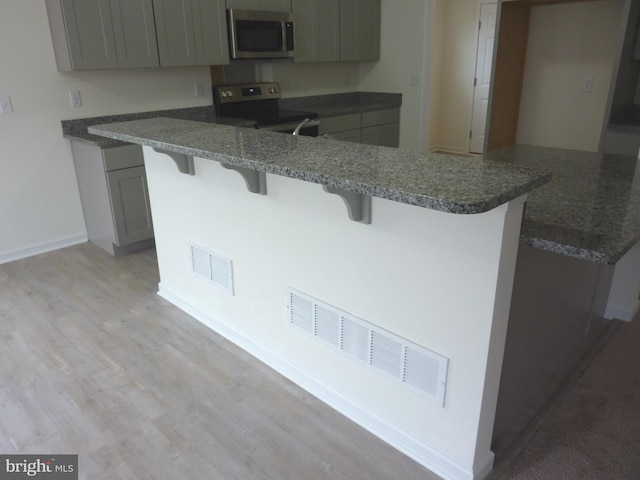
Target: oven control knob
(229, 93)
(223, 94)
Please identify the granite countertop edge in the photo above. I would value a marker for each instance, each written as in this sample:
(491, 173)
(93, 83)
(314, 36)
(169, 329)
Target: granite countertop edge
(480, 204)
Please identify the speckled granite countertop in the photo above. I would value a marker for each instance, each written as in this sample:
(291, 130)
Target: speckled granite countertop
(77, 129)
(590, 209)
(441, 182)
(325, 105)
(625, 128)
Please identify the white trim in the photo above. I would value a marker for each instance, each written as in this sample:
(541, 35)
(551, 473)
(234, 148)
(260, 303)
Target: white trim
(43, 248)
(402, 441)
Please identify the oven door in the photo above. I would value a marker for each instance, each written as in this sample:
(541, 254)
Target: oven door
(308, 129)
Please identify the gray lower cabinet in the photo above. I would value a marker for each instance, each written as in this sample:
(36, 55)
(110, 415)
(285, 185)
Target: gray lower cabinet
(380, 127)
(359, 30)
(317, 30)
(191, 32)
(114, 195)
(621, 143)
(343, 127)
(264, 5)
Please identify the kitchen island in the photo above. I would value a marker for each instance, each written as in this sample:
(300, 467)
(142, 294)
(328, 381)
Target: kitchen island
(377, 279)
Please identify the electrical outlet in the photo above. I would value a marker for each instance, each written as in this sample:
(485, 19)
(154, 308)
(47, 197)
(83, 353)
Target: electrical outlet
(414, 80)
(197, 89)
(75, 99)
(5, 104)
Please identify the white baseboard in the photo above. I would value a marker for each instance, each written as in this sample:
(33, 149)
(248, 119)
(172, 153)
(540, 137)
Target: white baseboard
(624, 314)
(43, 248)
(402, 441)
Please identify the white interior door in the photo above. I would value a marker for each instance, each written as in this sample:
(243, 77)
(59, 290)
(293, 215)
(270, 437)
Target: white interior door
(484, 56)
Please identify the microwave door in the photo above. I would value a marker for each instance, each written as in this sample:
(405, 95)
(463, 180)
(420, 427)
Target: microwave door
(260, 34)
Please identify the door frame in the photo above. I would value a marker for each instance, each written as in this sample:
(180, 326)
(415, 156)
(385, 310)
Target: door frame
(479, 4)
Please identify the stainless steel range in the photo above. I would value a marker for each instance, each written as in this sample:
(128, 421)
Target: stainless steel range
(259, 102)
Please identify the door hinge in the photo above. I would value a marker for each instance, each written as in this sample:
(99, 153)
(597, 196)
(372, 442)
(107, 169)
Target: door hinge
(475, 82)
(470, 133)
(480, 25)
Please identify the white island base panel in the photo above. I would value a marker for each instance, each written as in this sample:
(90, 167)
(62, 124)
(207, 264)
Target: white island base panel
(441, 281)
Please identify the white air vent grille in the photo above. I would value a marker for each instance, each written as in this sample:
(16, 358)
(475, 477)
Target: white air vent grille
(212, 266)
(405, 361)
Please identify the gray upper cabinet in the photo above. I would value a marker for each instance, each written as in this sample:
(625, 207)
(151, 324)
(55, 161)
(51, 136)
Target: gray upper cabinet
(359, 30)
(266, 5)
(191, 32)
(94, 34)
(174, 27)
(135, 33)
(210, 31)
(317, 30)
(82, 33)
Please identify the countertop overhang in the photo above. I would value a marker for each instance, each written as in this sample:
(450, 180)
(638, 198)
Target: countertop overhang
(441, 182)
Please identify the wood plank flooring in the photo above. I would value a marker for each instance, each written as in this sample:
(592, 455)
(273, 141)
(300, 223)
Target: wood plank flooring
(94, 362)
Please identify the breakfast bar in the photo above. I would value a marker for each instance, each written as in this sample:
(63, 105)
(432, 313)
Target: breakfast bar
(380, 280)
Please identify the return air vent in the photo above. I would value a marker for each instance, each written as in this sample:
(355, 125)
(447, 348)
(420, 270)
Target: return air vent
(212, 266)
(381, 350)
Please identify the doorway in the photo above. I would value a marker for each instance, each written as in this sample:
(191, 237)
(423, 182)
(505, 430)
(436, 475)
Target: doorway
(482, 80)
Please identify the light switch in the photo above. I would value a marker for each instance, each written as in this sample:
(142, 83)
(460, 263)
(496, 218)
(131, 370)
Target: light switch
(197, 89)
(587, 83)
(75, 99)
(5, 104)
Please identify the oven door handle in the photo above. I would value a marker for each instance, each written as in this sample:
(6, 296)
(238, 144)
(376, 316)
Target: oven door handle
(283, 127)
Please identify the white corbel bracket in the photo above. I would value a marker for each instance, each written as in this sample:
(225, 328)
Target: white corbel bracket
(256, 181)
(358, 204)
(183, 162)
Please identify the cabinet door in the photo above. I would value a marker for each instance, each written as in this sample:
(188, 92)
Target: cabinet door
(317, 30)
(354, 136)
(174, 27)
(276, 5)
(210, 32)
(135, 33)
(266, 5)
(89, 33)
(387, 135)
(244, 4)
(129, 197)
(359, 30)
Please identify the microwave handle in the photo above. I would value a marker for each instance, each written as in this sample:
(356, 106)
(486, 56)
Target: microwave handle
(287, 41)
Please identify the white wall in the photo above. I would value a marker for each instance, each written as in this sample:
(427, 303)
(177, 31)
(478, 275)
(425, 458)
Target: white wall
(39, 202)
(567, 43)
(403, 67)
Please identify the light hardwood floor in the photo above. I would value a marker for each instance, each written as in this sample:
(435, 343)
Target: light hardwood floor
(94, 362)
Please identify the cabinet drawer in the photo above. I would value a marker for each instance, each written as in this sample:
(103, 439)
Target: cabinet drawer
(340, 124)
(346, 135)
(380, 117)
(621, 143)
(126, 156)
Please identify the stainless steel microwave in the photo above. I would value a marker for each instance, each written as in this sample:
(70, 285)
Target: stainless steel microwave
(257, 34)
